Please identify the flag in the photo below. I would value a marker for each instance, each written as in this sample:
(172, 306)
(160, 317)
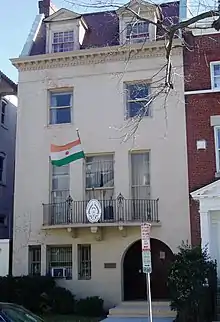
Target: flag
(64, 154)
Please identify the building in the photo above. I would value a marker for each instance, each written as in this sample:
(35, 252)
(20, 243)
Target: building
(8, 112)
(90, 72)
(202, 65)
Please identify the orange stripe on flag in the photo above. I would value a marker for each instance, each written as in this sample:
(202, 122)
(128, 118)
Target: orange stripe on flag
(59, 148)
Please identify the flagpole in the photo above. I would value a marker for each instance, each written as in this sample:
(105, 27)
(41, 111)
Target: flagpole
(77, 133)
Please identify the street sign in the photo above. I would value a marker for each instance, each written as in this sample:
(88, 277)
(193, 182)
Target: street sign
(146, 261)
(146, 251)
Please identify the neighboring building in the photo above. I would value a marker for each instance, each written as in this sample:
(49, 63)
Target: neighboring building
(8, 115)
(90, 72)
(202, 95)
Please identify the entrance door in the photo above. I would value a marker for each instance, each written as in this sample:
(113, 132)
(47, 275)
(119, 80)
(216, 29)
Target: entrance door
(161, 257)
(135, 279)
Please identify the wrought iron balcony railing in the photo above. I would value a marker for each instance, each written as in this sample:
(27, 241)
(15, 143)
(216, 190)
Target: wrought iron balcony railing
(119, 210)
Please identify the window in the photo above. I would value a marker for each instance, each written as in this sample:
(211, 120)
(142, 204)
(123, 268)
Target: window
(2, 167)
(60, 183)
(34, 259)
(217, 147)
(138, 101)
(3, 111)
(60, 257)
(137, 32)
(100, 177)
(140, 175)
(84, 262)
(63, 41)
(215, 75)
(60, 107)
(3, 221)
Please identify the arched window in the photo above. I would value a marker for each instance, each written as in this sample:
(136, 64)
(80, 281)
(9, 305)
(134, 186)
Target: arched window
(2, 167)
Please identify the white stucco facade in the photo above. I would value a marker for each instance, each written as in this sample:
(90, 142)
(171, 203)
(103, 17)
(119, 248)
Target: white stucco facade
(97, 79)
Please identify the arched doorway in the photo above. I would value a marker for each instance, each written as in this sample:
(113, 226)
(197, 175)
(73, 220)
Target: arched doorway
(135, 279)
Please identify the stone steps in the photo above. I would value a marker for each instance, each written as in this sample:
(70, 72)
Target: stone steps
(140, 309)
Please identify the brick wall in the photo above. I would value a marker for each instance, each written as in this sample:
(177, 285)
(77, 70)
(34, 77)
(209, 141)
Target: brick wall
(199, 108)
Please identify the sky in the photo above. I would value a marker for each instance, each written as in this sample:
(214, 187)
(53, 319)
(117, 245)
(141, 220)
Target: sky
(15, 24)
(17, 18)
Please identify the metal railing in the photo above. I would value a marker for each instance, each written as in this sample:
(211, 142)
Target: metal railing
(119, 210)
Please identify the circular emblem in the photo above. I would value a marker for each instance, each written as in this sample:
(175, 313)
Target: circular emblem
(93, 211)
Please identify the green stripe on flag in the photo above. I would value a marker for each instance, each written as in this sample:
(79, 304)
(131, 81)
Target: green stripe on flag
(70, 158)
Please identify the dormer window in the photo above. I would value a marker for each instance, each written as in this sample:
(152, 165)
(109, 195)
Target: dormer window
(137, 32)
(63, 41)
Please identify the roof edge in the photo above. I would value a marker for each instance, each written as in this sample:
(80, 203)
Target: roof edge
(10, 82)
(32, 35)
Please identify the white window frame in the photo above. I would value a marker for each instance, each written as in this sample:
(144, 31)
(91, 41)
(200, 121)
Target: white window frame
(127, 100)
(99, 190)
(68, 265)
(132, 186)
(84, 273)
(137, 37)
(31, 262)
(217, 150)
(212, 76)
(3, 179)
(53, 191)
(51, 92)
(63, 42)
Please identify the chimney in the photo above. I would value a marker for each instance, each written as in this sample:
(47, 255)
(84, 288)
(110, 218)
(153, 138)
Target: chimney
(44, 7)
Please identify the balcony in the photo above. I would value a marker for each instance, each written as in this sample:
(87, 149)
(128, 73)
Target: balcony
(119, 211)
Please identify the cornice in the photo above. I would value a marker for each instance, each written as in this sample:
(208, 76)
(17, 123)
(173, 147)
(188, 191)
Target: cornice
(93, 56)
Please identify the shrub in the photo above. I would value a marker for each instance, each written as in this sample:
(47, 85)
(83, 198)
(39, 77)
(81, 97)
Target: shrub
(26, 290)
(37, 293)
(61, 301)
(192, 283)
(90, 306)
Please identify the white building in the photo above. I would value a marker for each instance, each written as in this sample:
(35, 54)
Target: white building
(90, 72)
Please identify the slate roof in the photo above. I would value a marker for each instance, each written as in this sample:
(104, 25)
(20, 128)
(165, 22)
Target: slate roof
(104, 28)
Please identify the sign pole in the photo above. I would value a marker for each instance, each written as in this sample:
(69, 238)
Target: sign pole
(146, 262)
(149, 298)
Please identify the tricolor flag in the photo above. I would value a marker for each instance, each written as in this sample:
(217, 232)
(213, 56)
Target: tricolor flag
(64, 154)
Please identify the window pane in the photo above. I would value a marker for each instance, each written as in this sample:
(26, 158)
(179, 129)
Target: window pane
(137, 91)
(61, 99)
(60, 257)
(135, 108)
(99, 171)
(217, 70)
(143, 27)
(60, 116)
(129, 29)
(84, 262)
(217, 81)
(60, 183)
(218, 139)
(60, 170)
(140, 169)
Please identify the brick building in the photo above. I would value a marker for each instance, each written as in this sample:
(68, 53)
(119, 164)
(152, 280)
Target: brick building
(202, 96)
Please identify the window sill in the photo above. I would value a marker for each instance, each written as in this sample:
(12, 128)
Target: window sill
(61, 125)
(145, 117)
